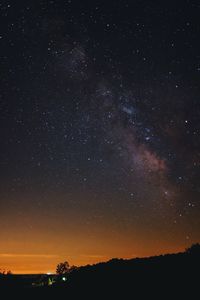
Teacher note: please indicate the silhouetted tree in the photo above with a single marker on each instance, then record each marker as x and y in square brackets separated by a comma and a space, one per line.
[62, 268]
[4, 272]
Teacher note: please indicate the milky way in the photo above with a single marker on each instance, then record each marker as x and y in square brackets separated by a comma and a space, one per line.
[100, 124]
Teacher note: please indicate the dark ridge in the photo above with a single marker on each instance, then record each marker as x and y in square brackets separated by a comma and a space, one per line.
[159, 275]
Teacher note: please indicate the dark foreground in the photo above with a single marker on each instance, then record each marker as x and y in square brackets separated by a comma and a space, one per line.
[161, 277]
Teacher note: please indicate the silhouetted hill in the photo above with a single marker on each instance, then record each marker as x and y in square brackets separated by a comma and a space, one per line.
[172, 272]
[158, 276]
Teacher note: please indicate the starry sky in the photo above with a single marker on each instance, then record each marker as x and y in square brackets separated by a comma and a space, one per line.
[100, 131]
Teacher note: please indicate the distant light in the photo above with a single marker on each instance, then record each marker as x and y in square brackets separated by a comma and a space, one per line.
[64, 278]
[49, 273]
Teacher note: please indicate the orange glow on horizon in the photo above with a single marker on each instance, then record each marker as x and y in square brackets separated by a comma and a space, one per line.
[50, 240]
[79, 251]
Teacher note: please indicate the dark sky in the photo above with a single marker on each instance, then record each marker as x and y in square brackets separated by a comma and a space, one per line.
[100, 130]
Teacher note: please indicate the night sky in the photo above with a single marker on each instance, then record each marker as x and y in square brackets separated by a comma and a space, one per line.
[100, 130]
